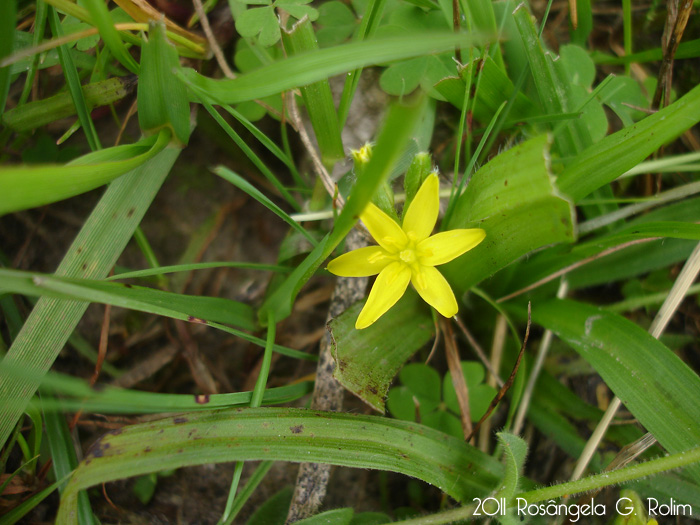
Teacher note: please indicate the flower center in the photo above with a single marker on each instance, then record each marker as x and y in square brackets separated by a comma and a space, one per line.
[408, 256]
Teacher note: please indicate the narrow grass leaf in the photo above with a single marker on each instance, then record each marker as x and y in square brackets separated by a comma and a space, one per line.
[317, 96]
[73, 81]
[112, 400]
[105, 25]
[368, 26]
[25, 187]
[64, 459]
[549, 88]
[148, 300]
[162, 270]
[269, 175]
[92, 254]
[304, 69]
[8, 18]
[608, 159]
[13, 516]
[251, 190]
[653, 383]
[286, 434]
[175, 306]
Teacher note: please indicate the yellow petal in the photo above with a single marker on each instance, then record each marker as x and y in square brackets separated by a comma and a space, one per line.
[387, 289]
[435, 290]
[445, 246]
[384, 229]
[362, 262]
[421, 216]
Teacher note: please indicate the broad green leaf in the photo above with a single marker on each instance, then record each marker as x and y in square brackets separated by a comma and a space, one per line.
[93, 253]
[403, 78]
[38, 113]
[622, 95]
[29, 186]
[163, 101]
[652, 382]
[285, 434]
[514, 200]
[367, 360]
[298, 9]
[311, 67]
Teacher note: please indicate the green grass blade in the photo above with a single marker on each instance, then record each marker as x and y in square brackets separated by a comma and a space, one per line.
[368, 26]
[29, 186]
[21, 510]
[269, 175]
[93, 253]
[8, 18]
[603, 162]
[287, 434]
[64, 460]
[301, 70]
[162, 270]
[112, 400]
[317, 96]
[175, 306]
[549, 87]
[73, 82]
[251, 190]
[105, 25]
[148, 300]
[654, 384]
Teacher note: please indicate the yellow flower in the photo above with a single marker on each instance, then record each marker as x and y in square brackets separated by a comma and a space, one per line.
[407, 253]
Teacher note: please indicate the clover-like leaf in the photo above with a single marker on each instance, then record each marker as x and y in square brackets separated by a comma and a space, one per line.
[419, 397]
[337, 22]
[298, 8]
[480, 394]
[260, 21]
